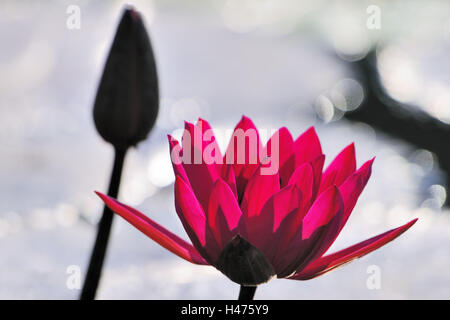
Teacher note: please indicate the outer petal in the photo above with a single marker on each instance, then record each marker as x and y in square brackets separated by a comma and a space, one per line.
[201, 174]
[156, 232]
[340, 168]
[176, 154]
[318, 229]
[193, 219]
[224, 215]
[352, 188]
[337, 259]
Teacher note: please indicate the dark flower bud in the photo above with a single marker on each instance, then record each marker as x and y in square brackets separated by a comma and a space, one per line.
[127, 98]
[243, 263]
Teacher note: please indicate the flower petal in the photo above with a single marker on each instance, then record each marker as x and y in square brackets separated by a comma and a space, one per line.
[156, 232]
[352, 187]
[340, 168]
[243, 152]
[176, 154]
[210, 147]
[284, 234]
[318, 229]
[193, 219]
[322, 211]
[337, 259]
[228, 176]
[303, 178]
[264, 230]
[350, 191]
[208, 134]
[259, 189]
[280, 149]
[224, 215]
[201, 174]
[317, 165]
[307, 147]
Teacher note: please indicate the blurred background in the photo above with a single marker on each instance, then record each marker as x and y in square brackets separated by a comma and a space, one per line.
[382, 83]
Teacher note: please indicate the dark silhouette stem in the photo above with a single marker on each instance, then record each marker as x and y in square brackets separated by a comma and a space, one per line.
[247, 293]
[101, 242]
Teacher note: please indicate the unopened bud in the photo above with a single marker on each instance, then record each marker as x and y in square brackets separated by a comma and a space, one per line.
[127, 98]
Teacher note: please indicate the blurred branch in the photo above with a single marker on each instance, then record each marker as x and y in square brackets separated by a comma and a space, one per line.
[399, 120]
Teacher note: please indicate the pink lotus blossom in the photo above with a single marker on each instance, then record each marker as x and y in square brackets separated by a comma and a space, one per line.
[253, 226]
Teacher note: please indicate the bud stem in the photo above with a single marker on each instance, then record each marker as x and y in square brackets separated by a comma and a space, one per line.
[101, 242]
[247, 292]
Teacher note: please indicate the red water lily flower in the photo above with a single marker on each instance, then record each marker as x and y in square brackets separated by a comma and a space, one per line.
[252, 226]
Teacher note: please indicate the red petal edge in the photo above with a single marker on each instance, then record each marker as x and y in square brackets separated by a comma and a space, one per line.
[156, 232]
[337, 259]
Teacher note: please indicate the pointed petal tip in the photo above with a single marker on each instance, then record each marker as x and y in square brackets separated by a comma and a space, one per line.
[285, 130]
[188, 125]
[246, 120]
[348, 152]
[200, 120]
[351, 147]
[311, 130]
[101, 195]
[369, 163]
[171, 139]
[412, 222]
[310, 137]
[366, 166]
